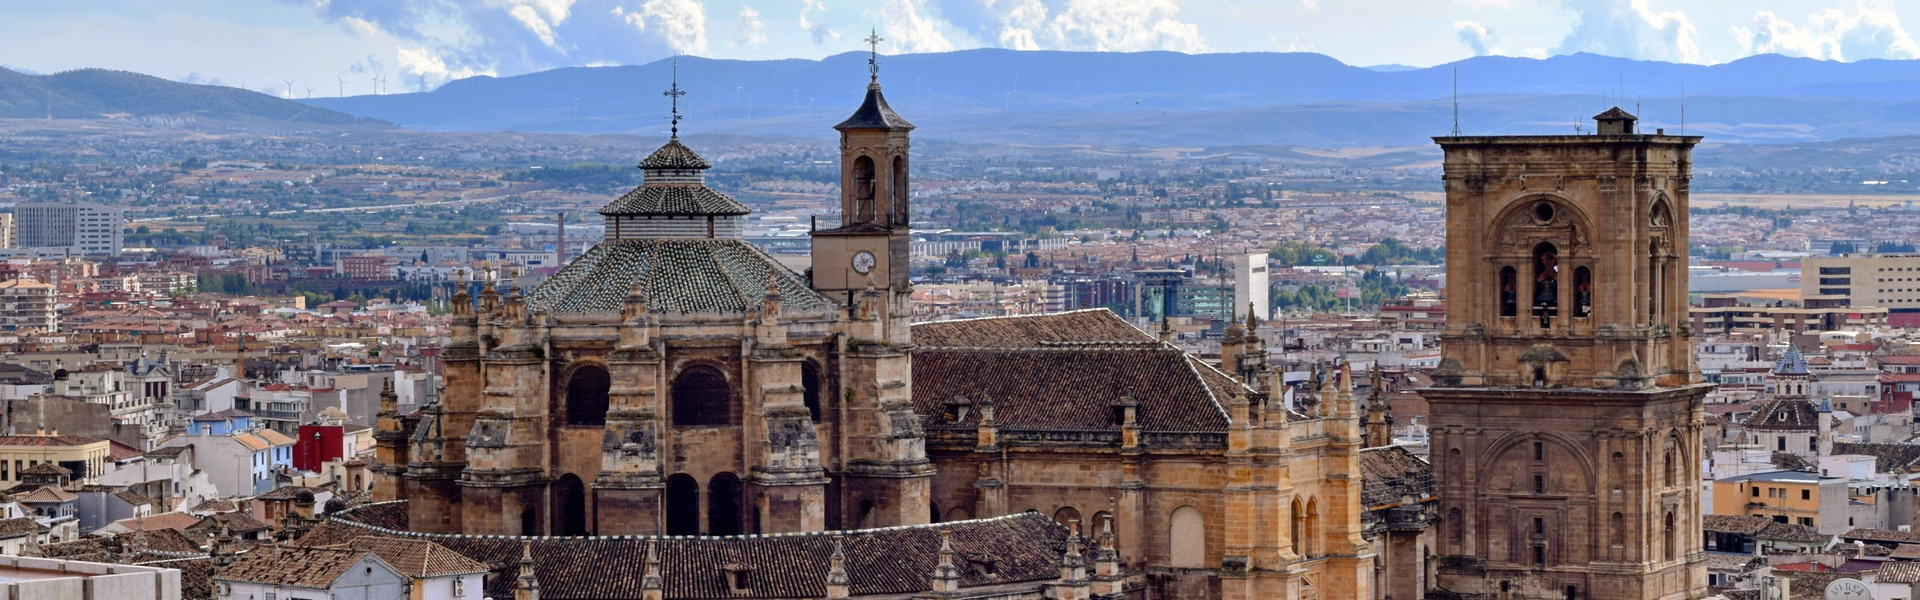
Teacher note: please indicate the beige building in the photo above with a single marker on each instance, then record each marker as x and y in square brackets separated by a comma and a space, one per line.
[8, 230]
[84, 458]
[27, 305]
[1566, 410]
[1885, 280]
[1725, 313]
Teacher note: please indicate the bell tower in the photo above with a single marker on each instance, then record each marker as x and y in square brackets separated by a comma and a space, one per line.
[1566, 409]
[886, 478]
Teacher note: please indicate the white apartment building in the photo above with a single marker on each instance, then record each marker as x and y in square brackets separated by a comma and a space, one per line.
[89, 228]
[27, 305]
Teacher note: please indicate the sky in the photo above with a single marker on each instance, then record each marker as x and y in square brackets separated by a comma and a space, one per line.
[300, 48]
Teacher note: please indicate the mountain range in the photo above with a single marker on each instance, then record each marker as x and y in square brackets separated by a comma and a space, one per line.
[105, 94]
[1167, 98]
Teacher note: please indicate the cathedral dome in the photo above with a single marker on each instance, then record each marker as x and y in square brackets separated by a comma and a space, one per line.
[674, 155]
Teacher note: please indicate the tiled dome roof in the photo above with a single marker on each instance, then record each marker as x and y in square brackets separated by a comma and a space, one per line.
[674, 155]
[674, 200]
[678, 275]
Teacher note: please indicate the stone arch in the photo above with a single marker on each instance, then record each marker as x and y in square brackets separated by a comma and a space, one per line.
[724, 505]
[863, 189]
[958, 513]
[702, 397]
[586, 400]
[1312, 531]
[898, 207]
[1456, 527]
[1500, 447]
[683, 505]
[1069, 517]
[1670, 538]
[1617, 471]
[1297, 526]
[1187, 538]
[570, 505]
[1509, 292]
[810, 392]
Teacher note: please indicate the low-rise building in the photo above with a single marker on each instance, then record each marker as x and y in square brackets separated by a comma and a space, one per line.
[285, 572]
[1796, 497]
[27, 305]
[84, 458]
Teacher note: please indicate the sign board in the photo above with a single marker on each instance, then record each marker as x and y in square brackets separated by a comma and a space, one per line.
[1848, 589]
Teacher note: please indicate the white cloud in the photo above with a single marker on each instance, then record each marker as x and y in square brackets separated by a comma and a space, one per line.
[682, 23]
[1485, 3]
[752, 30]
[1631, 29]
[912, 29]
[820, 30]
[539, 16]
[1870, 30]
[424, 63]
[1310, 5]
[1123, 25]
[1476, 36]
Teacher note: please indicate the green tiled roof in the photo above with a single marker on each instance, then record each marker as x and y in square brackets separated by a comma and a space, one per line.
[676, 199]
[678, 275]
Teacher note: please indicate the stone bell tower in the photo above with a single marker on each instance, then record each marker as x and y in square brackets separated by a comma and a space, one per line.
[1566, 410]
[886, 478]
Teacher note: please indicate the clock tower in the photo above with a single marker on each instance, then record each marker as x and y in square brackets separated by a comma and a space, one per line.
[862, 264]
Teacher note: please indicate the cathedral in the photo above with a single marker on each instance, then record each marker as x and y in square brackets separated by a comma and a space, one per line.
[675, 414]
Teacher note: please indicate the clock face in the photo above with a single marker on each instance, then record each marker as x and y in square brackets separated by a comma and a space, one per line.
[863, 262]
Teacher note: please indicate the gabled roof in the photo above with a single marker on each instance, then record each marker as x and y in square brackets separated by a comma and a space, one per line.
[47, 495]
[677, 275]
[874, 114]
[1030, 331]
[311, 568]
[419, 559]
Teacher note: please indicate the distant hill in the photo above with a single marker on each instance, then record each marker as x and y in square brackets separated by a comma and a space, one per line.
[102, 94]
[1004, 96]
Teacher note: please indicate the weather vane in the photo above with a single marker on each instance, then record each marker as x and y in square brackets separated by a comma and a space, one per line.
[873, 56]
[674, 93]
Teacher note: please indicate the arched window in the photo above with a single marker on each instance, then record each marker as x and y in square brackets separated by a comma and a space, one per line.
[898, 213]
[933, 512]
[1582, 292]
[570, 505]
[683, 505]
[702, 398]
[1101, 522]
[1069, 517]
[863, 190]
[1618, 523]
[1187, 538]
[1296, 527]
[1546, 283]
[587, 396]
[1671, 477]
[810, 389]
[723, 505]
[1313, 527]
[1672, 539]
[529, 522]
[1509, 292]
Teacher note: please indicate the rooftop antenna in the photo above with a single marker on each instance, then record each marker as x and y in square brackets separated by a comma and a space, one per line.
[1456, 102]
[873, 55]
[674, 93]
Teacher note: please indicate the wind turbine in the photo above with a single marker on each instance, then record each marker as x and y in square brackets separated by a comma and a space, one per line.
[343, 84]
[376, 85]
[309, 92]
[289, 87]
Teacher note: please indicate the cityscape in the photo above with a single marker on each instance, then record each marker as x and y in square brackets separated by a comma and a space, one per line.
[1088, 300]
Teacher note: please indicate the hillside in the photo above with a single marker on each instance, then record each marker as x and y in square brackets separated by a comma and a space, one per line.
[102, 94]
[1002, 96]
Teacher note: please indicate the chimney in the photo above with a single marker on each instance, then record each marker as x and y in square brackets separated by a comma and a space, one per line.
[560, 242]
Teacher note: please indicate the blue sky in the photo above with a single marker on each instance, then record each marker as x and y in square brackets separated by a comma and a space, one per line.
[335, 46]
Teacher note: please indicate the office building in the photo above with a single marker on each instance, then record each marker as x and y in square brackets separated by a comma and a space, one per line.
[86, 228]
[1250, 286]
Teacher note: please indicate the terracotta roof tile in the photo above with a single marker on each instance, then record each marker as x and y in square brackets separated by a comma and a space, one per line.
[1390, 473]
[890, 561]
[657, 199]
[1898, 572]
[1067, 388]
[417, 558]
[1887, 457]
[1738, 524]
[313, 568]
[1029, 331]
[1785, 414]
[678, 275]
[166, 520]
[13, 528]
[1882, 535]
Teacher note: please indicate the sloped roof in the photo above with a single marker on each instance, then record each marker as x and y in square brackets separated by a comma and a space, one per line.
[108, 548]
[888, 561]
[1390, 473]
[1896, 571]
[1738, 524]
[674, 155]
[1887, 457]
[1790, 532]
[652, 199]
[1791, 363]
[1068, 388]
[1030, 331]
[312, 568]
[874, 114]
[236, 522]
[678, 275]
[1882, 536]
[1785, 414]
[166, 520]
[1615, 113]
[13, 528]
[417, 558]
[48, 494]
[274, 437]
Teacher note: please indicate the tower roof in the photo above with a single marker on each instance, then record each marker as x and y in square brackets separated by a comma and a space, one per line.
[674, 155]
[1791, 363]
[874, 114]
[677, 275]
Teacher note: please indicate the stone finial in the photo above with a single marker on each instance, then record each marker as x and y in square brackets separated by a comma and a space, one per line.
[527, 586]
[838, 584]
[946, 575]
[651, 585]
